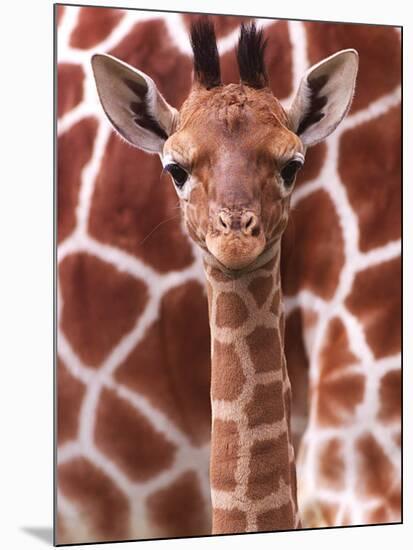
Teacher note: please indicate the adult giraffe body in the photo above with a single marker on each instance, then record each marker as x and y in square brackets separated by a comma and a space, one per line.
[233, 153]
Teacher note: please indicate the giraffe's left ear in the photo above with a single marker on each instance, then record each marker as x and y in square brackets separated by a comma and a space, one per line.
[133, 103]
[324, 97]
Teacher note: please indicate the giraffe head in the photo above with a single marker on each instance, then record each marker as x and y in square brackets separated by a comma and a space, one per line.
[232, 150]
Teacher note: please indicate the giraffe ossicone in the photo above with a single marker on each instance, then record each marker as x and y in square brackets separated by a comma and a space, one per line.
[233, 153]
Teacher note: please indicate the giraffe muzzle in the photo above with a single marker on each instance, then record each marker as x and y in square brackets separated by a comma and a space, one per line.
[247, 223]
[236, 238]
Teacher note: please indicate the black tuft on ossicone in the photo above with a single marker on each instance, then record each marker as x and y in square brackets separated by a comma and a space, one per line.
[206, 58]
[250, 55]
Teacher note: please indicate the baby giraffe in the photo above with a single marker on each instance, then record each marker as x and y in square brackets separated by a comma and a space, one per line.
[233, 153]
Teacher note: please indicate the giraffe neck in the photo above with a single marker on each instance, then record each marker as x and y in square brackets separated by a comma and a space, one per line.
[252, 468]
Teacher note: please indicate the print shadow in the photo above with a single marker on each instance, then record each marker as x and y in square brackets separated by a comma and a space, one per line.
[43, 533]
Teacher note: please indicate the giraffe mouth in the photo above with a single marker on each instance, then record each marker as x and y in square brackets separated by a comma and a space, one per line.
[233, 251]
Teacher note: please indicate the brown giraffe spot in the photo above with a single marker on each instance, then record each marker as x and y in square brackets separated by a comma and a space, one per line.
[229, 521]
[130, 211]
[61, 530]
[129, 439]
[275, 308]
[389, 511]
[331, 465]
[390, 396]
[100, 305]
[378, 47]
[260, 288]
[221, 277]
[93, 26]
[217, 275]
[224, 454]
[283, 517]
[103, 506]
[375, 471]
[310, 515]
[269, 266]
[278, 59]
[70, 392]
[338, 398]
[145, 371]
[224, 24]
[268, 464]
[378, 515]
[297, 364]
[265, 349]
[60, 10]
[336, 352]
[171, 364]
[370, 166]
[266, 405]
[231, 310]
[339, 390]
[329, 512]
[394, 501]
[179, 509]
[69, 87]
[376, 300]
[191, 355]
[74, 151]
[227, 376]
[229, 67]
[397, 439]
[314, 160]
[150, 48]
[313, 254]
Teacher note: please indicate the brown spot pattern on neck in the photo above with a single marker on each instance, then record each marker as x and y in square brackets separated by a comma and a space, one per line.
[252, 467]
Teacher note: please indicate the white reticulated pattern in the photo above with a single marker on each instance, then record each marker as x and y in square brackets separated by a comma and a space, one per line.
[96, 379]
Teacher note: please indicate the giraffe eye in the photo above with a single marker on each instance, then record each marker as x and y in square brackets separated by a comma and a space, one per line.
[178, 174]
[289, 171]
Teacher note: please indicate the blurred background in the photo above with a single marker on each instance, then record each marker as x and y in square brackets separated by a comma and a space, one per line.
[133, 415]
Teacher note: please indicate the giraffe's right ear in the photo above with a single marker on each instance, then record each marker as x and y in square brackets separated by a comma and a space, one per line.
[133, 103]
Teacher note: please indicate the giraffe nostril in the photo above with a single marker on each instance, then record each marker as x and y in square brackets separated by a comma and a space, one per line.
[249, 221]
[256, 231]
[249, 224]
[224, 221]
